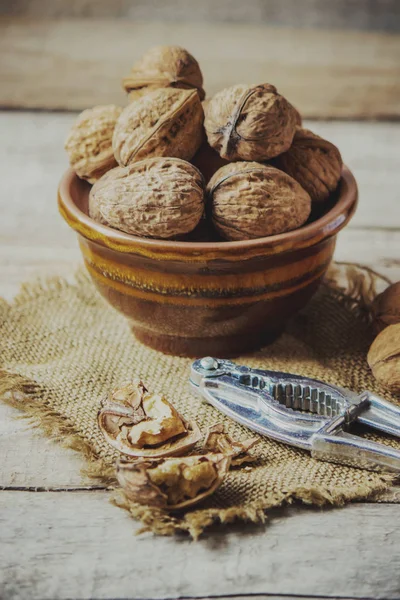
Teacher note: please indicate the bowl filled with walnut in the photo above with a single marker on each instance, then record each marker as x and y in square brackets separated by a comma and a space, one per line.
[208, 223]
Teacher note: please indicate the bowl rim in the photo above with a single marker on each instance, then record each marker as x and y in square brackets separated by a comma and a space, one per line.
[326, 226]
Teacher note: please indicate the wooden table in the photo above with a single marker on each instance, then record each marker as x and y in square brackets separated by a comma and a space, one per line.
[61, 538]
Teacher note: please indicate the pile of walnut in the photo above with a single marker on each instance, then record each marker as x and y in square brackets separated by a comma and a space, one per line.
[384, 354]
[241, 160]
[152, 438]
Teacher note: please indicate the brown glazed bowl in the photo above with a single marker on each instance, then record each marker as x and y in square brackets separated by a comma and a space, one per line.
[207, 298]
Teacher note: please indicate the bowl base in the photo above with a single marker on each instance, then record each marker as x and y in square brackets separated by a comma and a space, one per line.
[222, 347]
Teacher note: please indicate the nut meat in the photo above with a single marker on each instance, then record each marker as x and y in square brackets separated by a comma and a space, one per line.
[89, 143]
[165, 122]
[217, 440]
[163, 67]
[250, 122]
[138, 423]
[314, 162]
[172, 483]
[384, 357]
[157, 197]
[386, 307]
[251, 200]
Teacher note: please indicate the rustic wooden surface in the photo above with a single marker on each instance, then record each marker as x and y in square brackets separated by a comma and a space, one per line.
[74, 544]
[358, 14]
[75, 63]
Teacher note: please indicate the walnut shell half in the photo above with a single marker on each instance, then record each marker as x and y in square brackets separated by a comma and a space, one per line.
[172, 483]
[162, 67]
[252, 200]
[165, 122]
[386, 307]
[384, 357]
[250, 122]
[89, 143]
[156, 198]
[138, 423]
[314, 162]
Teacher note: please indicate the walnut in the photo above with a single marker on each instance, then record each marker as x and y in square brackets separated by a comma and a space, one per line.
[314, 162]
[89, 143]
[384, 357]
[218, 441]
[165, 122]
[250, 122]
[138, 423]
[386, 307]
[251, 200]
[172, 483]
[157, 197]
[208, 161]
[163, 67]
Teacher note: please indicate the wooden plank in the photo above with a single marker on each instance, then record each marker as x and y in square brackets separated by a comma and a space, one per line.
[341, 14]
[76, 545]
[73, 64]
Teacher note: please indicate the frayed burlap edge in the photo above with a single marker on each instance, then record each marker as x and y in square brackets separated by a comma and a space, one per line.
[355, 290]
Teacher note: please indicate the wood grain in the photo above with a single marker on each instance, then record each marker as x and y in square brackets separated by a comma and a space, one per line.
[73, 64]
[76, 545]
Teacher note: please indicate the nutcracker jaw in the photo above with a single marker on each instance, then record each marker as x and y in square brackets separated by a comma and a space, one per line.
[299, 411]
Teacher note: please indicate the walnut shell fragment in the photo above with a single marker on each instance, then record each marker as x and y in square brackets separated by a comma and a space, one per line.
[89, 143]
[314, 162]
[172, 483]
[217, 440]
[165, 122]
[250, 122]
[164, 67]
[156, 198]
[252, 200]
[384, 357]
[386, 307]
[138, 423]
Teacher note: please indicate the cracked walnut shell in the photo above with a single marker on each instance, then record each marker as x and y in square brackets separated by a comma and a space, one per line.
[89, 143]
[156, 198]
[384, 357]
[250, 122]
[314, 162]
[138, 423]
[251, 200]
[165, 122]
[386, 307]
[163, 67]
[172, 483]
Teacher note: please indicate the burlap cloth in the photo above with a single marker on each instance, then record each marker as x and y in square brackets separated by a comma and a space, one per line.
[63, 347]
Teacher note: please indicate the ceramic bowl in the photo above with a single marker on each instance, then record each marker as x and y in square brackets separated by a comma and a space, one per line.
[207, 298]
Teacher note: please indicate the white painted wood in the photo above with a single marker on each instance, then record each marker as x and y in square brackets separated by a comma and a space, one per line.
[28, 460]
[76, 545]
[76, 63]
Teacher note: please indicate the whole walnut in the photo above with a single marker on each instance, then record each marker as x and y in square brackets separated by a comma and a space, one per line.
[162, 67]
[89, 143]
[386, 307]
[314, 162]
[165, 122]
[156, 197]
[250, 122]
[252, 200]
[384, 357]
